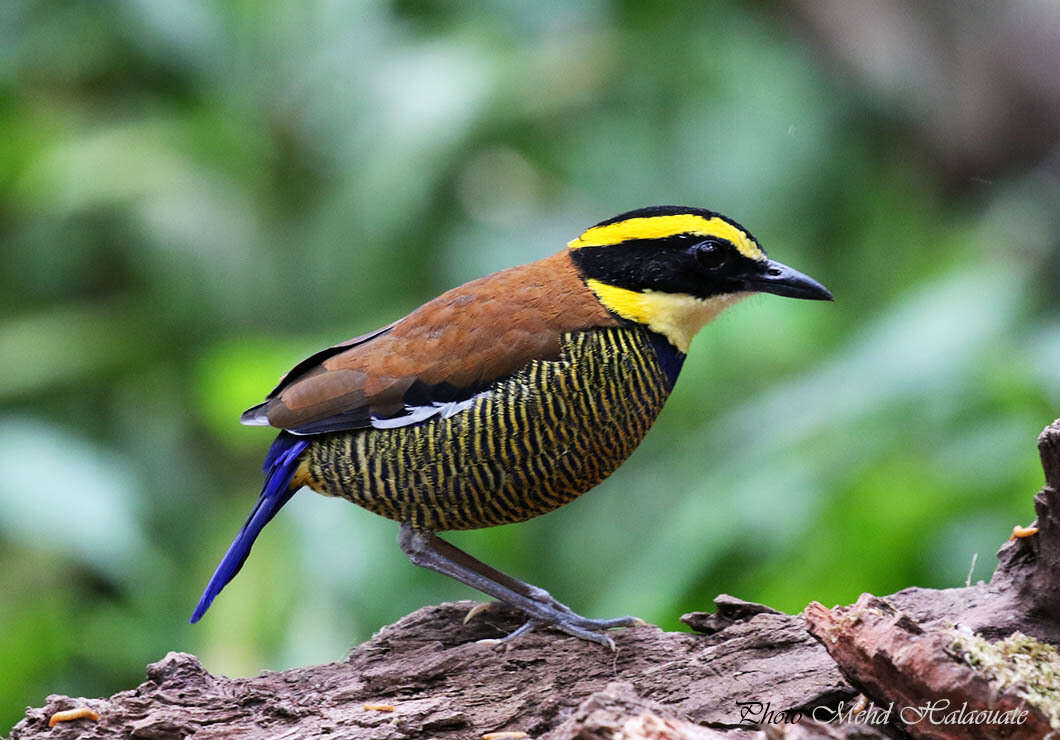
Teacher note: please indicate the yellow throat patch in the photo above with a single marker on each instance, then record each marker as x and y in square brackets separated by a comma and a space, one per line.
[677, 316]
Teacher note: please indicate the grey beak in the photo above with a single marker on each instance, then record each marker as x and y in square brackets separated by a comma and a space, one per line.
[780, 279]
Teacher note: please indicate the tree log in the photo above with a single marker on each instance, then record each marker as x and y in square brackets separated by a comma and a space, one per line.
[746, 671]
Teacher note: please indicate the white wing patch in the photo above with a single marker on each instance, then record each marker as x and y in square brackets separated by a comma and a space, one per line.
[417, 414]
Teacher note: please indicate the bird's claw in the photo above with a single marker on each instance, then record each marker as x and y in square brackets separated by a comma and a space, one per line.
[592, 632]
[477, 609]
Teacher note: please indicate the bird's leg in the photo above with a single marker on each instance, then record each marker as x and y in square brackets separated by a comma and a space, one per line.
[456, 555]
[430, 551]
[417, 546]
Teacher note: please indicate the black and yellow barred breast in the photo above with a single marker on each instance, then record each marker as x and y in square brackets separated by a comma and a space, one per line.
[530, 444]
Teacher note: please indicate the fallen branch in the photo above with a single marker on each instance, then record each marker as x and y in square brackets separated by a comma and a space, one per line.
[426, 677]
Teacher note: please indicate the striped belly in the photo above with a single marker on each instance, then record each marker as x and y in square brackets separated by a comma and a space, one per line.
[528, 445]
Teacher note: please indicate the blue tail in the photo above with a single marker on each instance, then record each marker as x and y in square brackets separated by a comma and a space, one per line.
[280, 465]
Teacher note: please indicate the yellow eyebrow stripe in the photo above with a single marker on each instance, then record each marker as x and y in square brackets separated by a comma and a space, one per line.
[660, 227]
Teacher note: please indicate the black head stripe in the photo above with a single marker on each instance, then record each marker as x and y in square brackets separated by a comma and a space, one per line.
[666, 265]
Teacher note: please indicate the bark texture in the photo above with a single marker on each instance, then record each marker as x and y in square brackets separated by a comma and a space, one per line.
[746, 671]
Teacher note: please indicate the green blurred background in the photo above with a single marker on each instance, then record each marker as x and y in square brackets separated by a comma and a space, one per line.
[196, 194]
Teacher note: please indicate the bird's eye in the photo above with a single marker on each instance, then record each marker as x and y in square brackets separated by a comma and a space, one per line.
[710, 255]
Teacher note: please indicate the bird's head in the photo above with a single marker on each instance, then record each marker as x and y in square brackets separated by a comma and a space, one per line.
[674, 268]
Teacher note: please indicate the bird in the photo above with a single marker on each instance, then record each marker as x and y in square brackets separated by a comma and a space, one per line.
[509, 396]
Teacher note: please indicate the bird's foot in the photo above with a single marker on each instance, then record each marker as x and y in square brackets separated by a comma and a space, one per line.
[607, 624]
[585, 633]
[561, 614]
[571, 623]
[427, 550]
[592, 629]
[570, 629]
[527, 627]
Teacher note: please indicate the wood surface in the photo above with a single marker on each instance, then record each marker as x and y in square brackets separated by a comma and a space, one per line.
[440, 683]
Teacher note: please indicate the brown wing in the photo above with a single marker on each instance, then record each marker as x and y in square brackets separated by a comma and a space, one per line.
[440, 354]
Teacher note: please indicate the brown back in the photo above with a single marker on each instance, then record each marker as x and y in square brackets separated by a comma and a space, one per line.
[448, 349]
